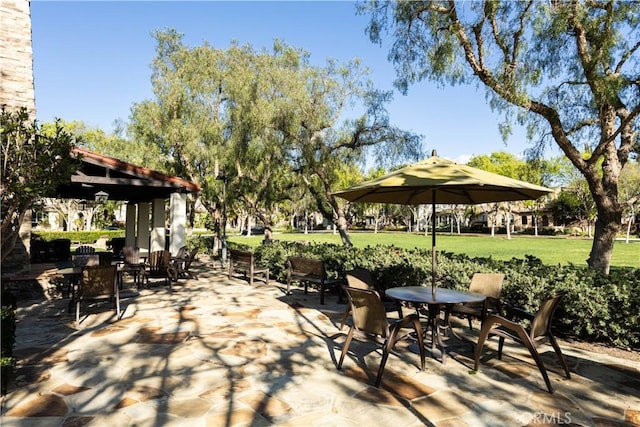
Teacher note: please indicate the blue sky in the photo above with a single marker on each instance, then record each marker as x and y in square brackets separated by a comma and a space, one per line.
[91, 62]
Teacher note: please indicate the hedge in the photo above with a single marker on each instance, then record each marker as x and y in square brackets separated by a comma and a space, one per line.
[597, 307]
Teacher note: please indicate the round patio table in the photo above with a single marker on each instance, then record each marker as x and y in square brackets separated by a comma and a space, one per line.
[420, 296]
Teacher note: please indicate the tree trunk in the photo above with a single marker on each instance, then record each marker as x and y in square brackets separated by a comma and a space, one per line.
[11, 233]
[508, 222]
[606, 230]
[339, 217]
[342, 229]
[268, 236]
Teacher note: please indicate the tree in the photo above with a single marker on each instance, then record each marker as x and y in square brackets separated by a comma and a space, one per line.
[503, 163]
[569, 70]
[324, 146]
[630, 191]
[201, 125]
[568, 208]
[98, 141]
[33, 166]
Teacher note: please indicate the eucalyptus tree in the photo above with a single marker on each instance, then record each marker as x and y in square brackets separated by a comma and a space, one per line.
[376, 210]
[183, 125]
[298, 206]
[322, 144]
[263, 175]
[569, 70]
[208, 119]
[262, 121]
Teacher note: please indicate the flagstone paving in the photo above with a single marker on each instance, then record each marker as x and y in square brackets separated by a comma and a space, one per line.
[217, 352]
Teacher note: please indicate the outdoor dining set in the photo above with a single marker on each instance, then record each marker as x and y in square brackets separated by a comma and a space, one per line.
[96, 276]
[432, 309]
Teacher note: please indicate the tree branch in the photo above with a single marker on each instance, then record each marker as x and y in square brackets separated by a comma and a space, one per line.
[625, 57]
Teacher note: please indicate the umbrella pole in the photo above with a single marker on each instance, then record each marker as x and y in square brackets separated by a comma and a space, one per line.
[433, 242]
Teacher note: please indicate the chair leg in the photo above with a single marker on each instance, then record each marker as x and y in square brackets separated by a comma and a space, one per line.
[117, 304]
[386, 349]
[391, 342]
[347, 311]
[561, 358]
[484, 333]
[399, 309]
[346, 345]
[418, 328]
[534, 353]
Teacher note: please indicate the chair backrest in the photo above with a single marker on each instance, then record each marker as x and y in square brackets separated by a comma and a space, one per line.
[182, 252]
[237, 255]
[360, 278]
[307, 266]
[159, 261]
[82, 260]
[488, 284]
[541, 323]
[190, 258]
[85, 249]
[105, 258]
[98, 280]
[367, 311]
[131, 255]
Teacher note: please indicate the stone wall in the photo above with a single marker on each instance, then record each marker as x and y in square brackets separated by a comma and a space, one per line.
[16, 55]
[17, 90]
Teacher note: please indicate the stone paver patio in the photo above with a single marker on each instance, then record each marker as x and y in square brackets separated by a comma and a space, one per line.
[217, 352]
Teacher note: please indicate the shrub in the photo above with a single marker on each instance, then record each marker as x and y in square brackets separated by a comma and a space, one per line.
[81, 237]
[597, 307]
[7, 338]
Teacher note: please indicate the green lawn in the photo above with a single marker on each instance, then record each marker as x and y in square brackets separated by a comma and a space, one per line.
[551, 250]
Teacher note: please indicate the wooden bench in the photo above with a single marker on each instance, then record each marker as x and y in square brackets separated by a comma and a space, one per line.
[244, 261]
[308, 270]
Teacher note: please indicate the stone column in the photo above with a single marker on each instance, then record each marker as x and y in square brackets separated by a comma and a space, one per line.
[16, 91]
[16, 56]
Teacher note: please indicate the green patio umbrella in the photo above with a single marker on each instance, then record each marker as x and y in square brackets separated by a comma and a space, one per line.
[440, 181]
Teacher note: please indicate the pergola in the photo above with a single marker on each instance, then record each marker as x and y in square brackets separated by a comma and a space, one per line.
[145, 192]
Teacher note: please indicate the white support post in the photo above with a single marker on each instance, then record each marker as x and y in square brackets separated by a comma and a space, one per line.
[158, 217]
[144, 226]
[178, 216]
[130, 225]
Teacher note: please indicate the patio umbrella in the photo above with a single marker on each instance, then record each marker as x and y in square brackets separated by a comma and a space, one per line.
[438, 181]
